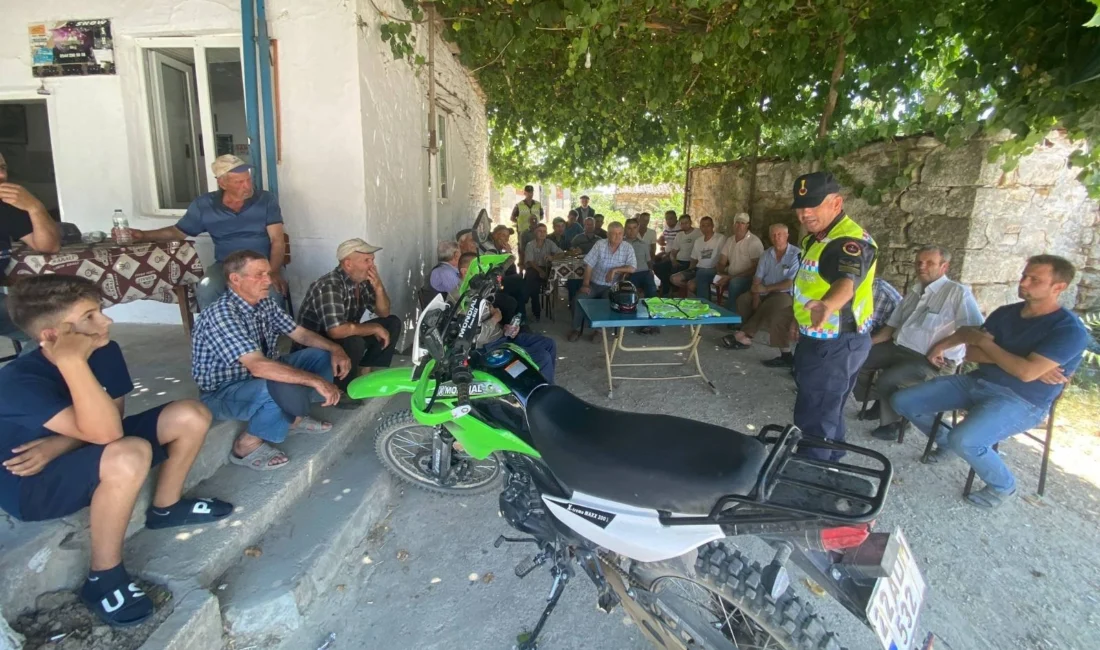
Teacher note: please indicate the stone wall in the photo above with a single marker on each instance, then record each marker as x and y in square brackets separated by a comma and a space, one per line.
[990, 220]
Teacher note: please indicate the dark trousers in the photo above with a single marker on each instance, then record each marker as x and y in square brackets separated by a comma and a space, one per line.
[664, 270]
[515, 287]
[533, 282]
[901, 367]
[825, 371]
[644, 281]
[367, 351]
[507, 305]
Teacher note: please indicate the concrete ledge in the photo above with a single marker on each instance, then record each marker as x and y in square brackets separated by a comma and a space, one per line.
[266, 596]
[39, 557]
[194, 624]
[185, 558]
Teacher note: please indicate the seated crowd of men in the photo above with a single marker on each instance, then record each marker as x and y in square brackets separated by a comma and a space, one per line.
[70, 444]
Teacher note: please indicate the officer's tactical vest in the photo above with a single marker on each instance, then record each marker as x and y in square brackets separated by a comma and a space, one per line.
[523, 219]
[809, 285]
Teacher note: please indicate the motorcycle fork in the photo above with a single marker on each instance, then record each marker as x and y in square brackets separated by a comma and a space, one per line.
[442, 446]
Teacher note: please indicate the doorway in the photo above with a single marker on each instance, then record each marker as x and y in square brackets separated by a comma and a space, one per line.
[26, 146]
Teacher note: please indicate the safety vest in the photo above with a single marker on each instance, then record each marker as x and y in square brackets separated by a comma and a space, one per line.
[809, 285]
[523, 218]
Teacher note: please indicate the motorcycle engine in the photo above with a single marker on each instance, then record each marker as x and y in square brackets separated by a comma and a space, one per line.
[522, 507]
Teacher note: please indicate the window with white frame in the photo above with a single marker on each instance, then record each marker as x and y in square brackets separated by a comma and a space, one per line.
[194, 91]
[442, 158]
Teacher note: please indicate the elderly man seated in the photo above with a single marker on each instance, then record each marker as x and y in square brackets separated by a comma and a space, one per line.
[737, 265]
[931, 311]
[68, 445]
[235, 361]
[238, 217]
[702, 266]
[587, 239]
[444, 276]
[886, 299]
[496, 331]
[768, 303]
[609, 260]
[1025, 353]
[540, 251]
[350, 306]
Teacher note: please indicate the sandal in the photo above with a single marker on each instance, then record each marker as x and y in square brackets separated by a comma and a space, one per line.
[260, 458]
[989, 498]
[187, 512]
[116, 599]
[730, 342]
[310, 425]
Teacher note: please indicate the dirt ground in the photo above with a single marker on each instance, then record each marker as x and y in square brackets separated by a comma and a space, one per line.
[62, 622]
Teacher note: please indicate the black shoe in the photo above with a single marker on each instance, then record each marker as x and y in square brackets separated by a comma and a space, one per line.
[785, 360]
[887, 432]
[872, 413]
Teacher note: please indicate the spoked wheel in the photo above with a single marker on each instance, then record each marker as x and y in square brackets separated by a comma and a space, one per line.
[405, 447]
[719, 604]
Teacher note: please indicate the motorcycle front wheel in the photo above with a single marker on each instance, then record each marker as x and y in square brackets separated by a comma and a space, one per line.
[405, 447]
[718, 603]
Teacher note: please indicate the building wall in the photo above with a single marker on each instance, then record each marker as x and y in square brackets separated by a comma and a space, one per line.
[991, 221]
[353, 121]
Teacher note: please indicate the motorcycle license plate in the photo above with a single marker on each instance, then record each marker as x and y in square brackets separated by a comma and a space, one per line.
[896, 600]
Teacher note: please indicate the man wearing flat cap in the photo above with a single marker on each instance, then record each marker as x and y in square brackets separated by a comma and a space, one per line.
[238, 217]
[833, 306]
[349, 305]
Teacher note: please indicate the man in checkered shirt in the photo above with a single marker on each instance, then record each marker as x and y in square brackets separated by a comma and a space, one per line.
[349, 305]
[236, 363]
[609, 260]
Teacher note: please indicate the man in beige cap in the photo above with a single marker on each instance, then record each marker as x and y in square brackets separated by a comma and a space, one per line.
[737, 265]
[238, 217]
[349, 305]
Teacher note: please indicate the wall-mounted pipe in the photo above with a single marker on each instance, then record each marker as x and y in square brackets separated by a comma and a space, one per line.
[251, 103]
[433, 142]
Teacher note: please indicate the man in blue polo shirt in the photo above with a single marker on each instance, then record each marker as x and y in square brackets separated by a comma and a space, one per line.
[1025, 353]
[66, 443]
[238, 217]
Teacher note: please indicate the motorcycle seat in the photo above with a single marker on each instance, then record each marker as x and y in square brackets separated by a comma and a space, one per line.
[641, 459]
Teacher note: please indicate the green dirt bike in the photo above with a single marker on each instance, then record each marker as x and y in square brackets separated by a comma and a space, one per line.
[643, 503]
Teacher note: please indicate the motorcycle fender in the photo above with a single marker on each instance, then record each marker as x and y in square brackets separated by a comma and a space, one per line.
[382, 383]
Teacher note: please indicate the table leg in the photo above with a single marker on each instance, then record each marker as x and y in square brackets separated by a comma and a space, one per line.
[185, 309]
[696, 337]
[608, 354]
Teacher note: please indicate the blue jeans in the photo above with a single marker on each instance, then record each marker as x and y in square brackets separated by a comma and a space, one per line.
[542, 349]
[644, 281]
[270, 406]
[735, 288]
[703, 279]
[993, 413]
[212, 286]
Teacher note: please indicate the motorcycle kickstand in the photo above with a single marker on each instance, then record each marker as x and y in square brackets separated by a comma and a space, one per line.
[530, 641]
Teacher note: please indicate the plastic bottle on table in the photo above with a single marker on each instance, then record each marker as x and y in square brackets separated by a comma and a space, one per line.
[121, 230]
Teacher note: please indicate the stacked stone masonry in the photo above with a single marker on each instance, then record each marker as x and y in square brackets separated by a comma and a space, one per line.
[990, 220]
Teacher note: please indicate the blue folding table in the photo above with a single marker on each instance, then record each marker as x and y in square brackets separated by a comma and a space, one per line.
[602, 318]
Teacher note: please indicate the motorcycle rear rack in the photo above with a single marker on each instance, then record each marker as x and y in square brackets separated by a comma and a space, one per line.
[795, 488]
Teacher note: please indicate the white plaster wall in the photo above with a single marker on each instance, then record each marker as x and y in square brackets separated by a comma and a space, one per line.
[354, 132]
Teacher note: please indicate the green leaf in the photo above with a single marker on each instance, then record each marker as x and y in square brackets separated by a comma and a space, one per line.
[696, 56]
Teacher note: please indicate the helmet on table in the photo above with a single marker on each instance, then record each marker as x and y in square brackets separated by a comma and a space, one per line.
[623, 297]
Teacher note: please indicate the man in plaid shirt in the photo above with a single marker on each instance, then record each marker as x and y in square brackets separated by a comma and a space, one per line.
[886, 299]
[236, 363]
[349, 305]
[609, 259]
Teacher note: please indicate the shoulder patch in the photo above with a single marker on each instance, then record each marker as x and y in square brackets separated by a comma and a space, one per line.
[852, 248]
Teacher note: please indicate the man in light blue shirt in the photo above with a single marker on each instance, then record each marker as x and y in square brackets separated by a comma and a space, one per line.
[238, 217]
[609, 260]
[768, 303]
[445, 277]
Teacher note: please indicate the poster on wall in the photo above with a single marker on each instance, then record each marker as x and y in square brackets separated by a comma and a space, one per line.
[70, 48]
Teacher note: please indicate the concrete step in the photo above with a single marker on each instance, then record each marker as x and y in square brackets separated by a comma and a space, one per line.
[267, 596]
[47, 556]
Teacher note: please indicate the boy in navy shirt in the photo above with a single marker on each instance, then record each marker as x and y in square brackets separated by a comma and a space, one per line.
[1026, 353]
[65, 444]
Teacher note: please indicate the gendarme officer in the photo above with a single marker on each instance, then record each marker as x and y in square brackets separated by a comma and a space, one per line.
[833, 305]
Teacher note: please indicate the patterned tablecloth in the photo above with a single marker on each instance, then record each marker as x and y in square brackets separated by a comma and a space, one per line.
[564, 269]
[123, 273]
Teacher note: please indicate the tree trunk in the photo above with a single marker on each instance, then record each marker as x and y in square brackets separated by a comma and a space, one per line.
[830, 102]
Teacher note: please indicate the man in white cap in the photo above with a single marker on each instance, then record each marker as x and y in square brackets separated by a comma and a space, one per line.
[238, 217]
[349, 305]
[737, 265]
[22, 218]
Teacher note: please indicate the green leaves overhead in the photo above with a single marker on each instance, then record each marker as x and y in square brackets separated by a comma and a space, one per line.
[584, 92]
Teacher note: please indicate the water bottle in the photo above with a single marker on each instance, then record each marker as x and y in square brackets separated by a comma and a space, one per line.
[121, 230]
[512, 328]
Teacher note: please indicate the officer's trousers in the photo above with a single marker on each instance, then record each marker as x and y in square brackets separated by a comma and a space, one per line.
[825, 371]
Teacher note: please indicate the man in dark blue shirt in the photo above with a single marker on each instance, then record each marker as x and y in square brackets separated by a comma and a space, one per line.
[238, 217]
[65, 443]
[1026, 353]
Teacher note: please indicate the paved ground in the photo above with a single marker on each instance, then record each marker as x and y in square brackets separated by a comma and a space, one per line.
[1025, 577]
